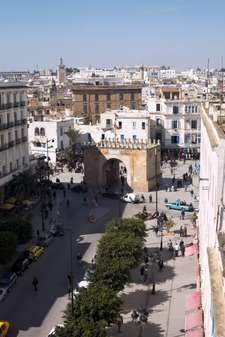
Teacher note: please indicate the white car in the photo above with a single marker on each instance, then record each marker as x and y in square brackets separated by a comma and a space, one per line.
[82, 284]
[53, 330]
[131, 198]
[3, 292]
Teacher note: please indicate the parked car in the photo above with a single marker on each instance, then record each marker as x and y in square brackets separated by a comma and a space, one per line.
[3, 293]
[180, 205]
[21, 263]
[111, 195]
[53, 331]
[4, 328]
[8, 280]
[35, 252]
[131, 198]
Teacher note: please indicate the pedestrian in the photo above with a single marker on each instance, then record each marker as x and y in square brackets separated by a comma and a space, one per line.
[142, 270]
[143, 198]
[134, 316]
[119, 323]
[182, 214]
[185, 231]
[181, 231]
[35, 283]
[160, 264]
[71, 180]
[79, 256]
[171, 171]
[68, 203]
[182, 247]
[146, 259]
[176, 248]
[64, 193]
[185, 187]
[69, 279]
[144, 211]
[173, 180]
[153, 287]
[150, 198]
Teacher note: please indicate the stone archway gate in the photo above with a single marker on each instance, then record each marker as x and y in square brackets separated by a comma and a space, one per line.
[142, 161]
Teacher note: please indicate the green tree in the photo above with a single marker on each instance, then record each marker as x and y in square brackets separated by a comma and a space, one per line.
[170, 223]
[74, 136]
[8, 245]
[83, 327]
[20, 226]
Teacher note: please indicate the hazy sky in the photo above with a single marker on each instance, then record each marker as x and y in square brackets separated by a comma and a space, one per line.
[179, 33]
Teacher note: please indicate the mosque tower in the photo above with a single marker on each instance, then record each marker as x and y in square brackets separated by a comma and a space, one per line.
[61, 73]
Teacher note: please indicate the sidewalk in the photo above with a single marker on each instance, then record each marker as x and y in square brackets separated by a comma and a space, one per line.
[167, 307]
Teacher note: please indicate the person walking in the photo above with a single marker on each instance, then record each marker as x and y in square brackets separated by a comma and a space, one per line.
[150, 198]
[153, 287]
[176, 248]
[185, 231]
[119, 322]
[35, 283]
[181, 231]
[160, 264]
[182, 247]
[68, 202]
[182, 214]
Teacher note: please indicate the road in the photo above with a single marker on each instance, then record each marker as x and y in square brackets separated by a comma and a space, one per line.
[33, 314]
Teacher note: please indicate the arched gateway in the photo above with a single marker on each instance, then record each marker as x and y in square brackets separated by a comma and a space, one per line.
[106, 162]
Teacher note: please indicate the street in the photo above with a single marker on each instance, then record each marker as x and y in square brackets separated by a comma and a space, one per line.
[33, 314]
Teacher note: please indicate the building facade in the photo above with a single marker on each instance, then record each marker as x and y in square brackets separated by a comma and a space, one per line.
[89, 101]
[212, 221]
[175, 120]
[47, 137]
[14, 156]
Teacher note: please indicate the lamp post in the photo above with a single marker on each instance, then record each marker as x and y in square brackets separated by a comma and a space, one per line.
[48, 147]
[69, 229]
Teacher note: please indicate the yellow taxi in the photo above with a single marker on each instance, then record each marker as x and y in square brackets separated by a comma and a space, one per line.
[35, 252]
[4, 327]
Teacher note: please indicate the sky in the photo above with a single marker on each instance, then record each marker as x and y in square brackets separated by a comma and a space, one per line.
[105, 33]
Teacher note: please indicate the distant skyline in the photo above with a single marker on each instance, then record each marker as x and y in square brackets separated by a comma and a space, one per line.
[104, 33]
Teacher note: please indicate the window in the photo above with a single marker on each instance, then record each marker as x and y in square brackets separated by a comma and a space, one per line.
[10, 166]
[143, 125]
[108, 97]
[174, 139]
[132, 96]
[16, 135]
[133, 105]
[134, 138]
[36, 131]
[158, 107]
[121, 97]
[2, 140]
[96, 108]
[158, 121]
[187, 138]
[186, 108]
[4, 171]
[8, 98]
[0, 120]
[85, 109]
[14, 98]
[189, 108]
[174, 124]
[96, 98]
[122, 138]
[192, 109]
[9, 137]
[23, 160]
[108, 105]
[175, 109]
[17, 163]
[194, 139]
[84, 98]
[108, 123]
[134, 125]
[196, 108]
[8, 118]
[42, 131]
[22, 132]
[120, 125]
[103, 136]
[194, 124]
[61, 131]
[15, 116]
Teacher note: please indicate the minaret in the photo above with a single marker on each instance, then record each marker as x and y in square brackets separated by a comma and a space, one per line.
[61, 73]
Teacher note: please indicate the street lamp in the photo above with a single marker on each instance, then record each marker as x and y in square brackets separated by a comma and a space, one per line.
[48, 147]
[69, 229]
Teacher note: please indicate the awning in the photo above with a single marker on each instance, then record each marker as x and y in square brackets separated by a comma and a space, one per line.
[193, 301]
[195, 333]
[193, 320]
[191, 250]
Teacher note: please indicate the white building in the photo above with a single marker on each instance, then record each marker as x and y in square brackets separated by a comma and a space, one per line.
[125, 124]
[14, 156]
[175, 119]
[49, 136]
[212, 220]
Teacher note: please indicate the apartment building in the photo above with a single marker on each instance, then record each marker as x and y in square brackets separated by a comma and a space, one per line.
[48, 136]
[125, 124]
[14, 155]
[212, 219]
[90, 101]
[175, 118]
